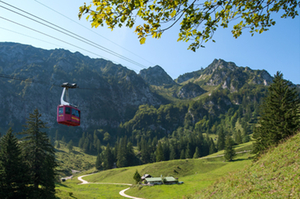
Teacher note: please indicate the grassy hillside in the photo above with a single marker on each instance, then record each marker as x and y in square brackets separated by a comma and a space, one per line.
[76, 159]
[196, 174]
[275, 175]
[70, 189]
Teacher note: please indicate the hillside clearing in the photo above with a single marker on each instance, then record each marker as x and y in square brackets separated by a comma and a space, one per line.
[275, 175]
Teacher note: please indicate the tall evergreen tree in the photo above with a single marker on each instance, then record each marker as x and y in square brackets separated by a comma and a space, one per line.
[196, 154]
[188, 152]
[122, 153]
[13, 176]
[221, 139]
[130, 156]
[56, 135]
[245, 137]
[239, 138]
[99, 162]
[172, 153]
[108, 160]
[159, 153]
[40, 157]
[145, 152]
[212, 147]
[280, 114]
[229, 150]
[137, 177]
[182, 154]
[70, 146]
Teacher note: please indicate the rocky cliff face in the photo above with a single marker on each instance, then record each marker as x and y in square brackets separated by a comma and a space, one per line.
[108, 94]
[156, 76]
[189, 90]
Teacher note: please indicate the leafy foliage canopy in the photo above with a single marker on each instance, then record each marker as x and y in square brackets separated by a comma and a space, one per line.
[198, 20]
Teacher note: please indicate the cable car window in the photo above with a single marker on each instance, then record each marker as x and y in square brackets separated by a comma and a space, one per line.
[61, 110]
[78, 112]
[74, 112]
[68, 110]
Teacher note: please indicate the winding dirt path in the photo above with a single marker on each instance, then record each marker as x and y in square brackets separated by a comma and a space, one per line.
[122, 193]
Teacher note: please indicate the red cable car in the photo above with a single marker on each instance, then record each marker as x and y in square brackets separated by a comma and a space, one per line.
[67, 113]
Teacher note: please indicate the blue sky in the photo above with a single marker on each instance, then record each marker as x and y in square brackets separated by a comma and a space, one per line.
[275, 50]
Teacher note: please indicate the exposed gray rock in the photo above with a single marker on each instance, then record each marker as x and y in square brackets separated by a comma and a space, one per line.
[156, 76]
[189, 91]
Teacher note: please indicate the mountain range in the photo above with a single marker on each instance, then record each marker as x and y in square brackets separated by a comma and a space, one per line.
[110, 94]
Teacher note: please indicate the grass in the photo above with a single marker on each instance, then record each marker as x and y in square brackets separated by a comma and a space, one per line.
[87, 191]
[202, 174]
[275, 175]
[76, 160]
[196, 174]
[167, 92]
[238, 148]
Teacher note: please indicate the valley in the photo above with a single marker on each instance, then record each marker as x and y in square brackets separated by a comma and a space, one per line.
[206, 127]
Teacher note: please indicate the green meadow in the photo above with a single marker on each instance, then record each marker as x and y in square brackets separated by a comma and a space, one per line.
[195, 173]
[70, 189]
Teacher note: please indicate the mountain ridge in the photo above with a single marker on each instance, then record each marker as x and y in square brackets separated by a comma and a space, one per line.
[111, 95]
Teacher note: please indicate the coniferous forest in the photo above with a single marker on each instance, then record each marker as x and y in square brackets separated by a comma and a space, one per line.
[28, 166]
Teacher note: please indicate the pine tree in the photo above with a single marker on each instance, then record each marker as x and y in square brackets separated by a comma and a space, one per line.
[137, 177]
[99, 162]
[279, 115]
[245, 137]
[63, 139]
[130, 154]
[182, 154]
[99, 150]
[159, 153]
[212, 147]
[40, 157]
[172, 153]
[145, 152]
[221, 139]
[196, 154]
[70, 146]
[121, 154]
[13, 176]
[57, 144]
[188, 152]
[108, 160]
[229, 150]
[239, 137]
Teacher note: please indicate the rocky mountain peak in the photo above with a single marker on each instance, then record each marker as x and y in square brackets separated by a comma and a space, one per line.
[156, 76]
[220, 64]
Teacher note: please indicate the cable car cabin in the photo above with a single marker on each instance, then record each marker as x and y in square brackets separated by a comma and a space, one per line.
[68, 115]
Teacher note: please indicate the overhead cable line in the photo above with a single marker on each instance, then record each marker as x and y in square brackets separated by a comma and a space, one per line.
[28, 36]
[45, 83]
[53, 43]
[49, 36]
[93, 31]
[69, 33]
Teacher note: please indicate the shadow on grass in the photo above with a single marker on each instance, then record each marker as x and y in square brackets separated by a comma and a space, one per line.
[239, 159]
[60, 184]
[75, 152]
[57, 150]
